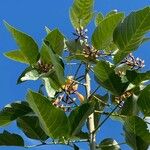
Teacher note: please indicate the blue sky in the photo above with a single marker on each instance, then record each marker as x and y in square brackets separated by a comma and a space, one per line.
[31, 16]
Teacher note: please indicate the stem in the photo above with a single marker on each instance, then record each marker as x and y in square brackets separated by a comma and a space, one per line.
[106, 118]
[90, 121]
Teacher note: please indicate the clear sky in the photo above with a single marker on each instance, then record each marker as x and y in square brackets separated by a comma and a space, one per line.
[32, 16]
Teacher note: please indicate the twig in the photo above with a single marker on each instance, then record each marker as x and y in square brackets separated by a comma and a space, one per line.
[77, 70]
[94, 91]
[107, 113]
[106, 118]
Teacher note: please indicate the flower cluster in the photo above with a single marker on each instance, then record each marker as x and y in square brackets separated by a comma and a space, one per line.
[134, 63]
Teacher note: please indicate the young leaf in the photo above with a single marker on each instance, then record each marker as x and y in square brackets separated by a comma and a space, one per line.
[103, 34]
[56, 41]
[31, 127]
[78, 116]
[108, 78]
[135, 125]
[109, 144]
[26, 44]
[17, 55]
[144, 101]
[81, 13]
[130, 33]
[13, 111]
[8, 139]
[53, 120]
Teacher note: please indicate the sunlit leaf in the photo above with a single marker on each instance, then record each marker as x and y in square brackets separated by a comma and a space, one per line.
[81, 13]
[130, 33]
[53, 120]
[27, 45]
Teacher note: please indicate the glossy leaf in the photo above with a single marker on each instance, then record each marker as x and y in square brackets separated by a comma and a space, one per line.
[31, 127]
[135, 125]
[109, 144]
[103, 34]
[12, 111]
[26, 44]
[144, 101]
[16, 55]
[53, 120]
[55, 40]
[108, 78]
[130, 33]
[8, 139]
[78, 117]
[81, 13]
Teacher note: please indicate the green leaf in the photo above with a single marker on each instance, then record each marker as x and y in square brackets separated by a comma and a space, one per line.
[26, 44]
[78, 117]
[16, 55]
[47, 30]
[81, 13]
[53, 120]
[144, 101]
[103, 34]
[52, 80]
[13, 111]
[129, 35]
[136, 78]
[31, 127]
[74, 46]
[28, 74]
[8, 139]
[135, 141]
[111, 13]
[57, 63]
[109, 144]
[99, 18]
[108, 78]
[45, 57]
[135, 125]
[130, 107]
[55, 39]
[50, 91]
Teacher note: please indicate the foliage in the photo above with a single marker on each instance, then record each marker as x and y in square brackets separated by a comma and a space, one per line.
[62, 113]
